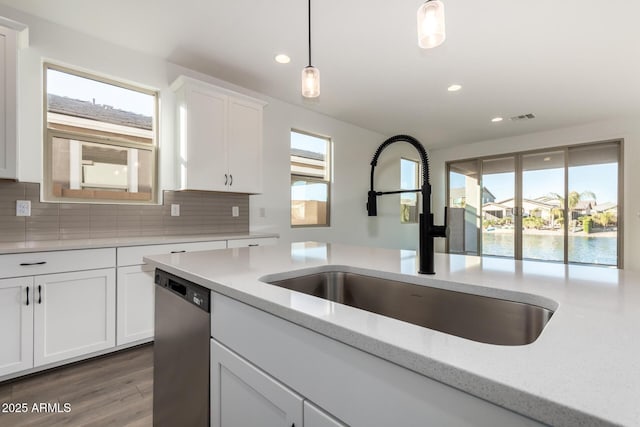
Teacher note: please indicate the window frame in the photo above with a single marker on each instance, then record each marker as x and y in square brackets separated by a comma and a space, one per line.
[49, 134]
[309, 178]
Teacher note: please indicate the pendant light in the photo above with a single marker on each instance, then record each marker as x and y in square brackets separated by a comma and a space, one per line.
[431, 24]
[310, 74]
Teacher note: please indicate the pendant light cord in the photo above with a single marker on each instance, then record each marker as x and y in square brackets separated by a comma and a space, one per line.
[309, 33]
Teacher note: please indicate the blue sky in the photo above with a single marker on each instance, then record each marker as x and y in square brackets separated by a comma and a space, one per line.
[600, 179]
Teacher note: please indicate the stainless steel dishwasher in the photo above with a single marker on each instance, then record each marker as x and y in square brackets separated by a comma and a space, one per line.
[181, 352]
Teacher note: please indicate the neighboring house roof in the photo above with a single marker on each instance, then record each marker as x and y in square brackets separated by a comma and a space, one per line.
[99, 112]
[485, 190]
[583, 205]
[486, 206]
[307, 154]
[609, 206]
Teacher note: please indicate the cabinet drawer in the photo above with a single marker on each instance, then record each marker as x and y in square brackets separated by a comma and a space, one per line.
[133, 255]
[35, 263]
[243, 243]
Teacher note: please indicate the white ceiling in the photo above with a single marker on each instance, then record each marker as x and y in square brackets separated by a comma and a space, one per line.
[567, 61]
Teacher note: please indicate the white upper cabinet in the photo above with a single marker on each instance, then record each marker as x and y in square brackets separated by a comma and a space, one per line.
[8, 105]
[219, 138]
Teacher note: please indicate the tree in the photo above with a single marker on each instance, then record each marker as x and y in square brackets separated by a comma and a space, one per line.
[573, 200]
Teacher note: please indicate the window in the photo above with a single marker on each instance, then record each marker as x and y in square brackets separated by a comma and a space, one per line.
[409, 181]
[310, 179]
[557, 204]
[100, 139]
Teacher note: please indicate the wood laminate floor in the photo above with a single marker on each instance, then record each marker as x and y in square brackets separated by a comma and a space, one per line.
[114, 390]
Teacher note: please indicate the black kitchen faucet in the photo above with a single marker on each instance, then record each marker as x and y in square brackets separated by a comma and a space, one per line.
[427, 230]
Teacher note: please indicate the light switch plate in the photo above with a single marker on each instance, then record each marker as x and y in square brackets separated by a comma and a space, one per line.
[23, 207]
[235, 211]
[175, 210]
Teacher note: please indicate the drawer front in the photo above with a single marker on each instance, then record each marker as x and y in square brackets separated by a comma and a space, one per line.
[35, 263]
[133, 255]
[243, 243]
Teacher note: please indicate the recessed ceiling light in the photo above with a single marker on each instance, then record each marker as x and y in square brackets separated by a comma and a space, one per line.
[546, 159]
[496, 119]
[282, 58]
[454, 88]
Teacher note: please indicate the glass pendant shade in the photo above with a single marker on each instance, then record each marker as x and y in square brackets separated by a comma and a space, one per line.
[431, 24]
[310, 82]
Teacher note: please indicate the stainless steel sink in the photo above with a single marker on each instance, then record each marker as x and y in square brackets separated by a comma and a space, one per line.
[475, 317]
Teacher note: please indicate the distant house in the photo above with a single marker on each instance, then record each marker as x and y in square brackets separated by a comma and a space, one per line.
[493, 210]
[582, 208]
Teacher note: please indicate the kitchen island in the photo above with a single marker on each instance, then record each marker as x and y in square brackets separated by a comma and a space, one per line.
[582, 369]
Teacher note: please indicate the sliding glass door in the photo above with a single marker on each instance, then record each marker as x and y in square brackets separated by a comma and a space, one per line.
[499, 215]
[558, 205]
[543, 206]
[592, 203]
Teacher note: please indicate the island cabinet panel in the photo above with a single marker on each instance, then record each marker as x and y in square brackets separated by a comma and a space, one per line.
[135, 304]
[349, 384]
[243, 395]
[219, 135]
[74, 314]
[16, 325]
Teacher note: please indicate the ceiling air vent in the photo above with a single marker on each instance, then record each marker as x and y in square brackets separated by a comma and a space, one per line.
[521, 117]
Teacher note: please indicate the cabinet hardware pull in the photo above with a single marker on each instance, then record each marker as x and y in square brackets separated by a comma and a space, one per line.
[27, 295]
[253, 244]
[24, 264]
[226, 179]
[39, 294]
[231, 182]
[178, 252]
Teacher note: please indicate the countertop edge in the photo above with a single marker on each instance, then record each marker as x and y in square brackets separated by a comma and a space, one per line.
[7, 248]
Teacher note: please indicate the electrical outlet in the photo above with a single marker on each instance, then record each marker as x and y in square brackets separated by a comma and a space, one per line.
[263, 212]
[23, 207]
[235, 211]
[175, 210]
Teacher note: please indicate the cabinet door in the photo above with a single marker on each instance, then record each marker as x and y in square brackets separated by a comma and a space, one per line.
[315, 417]
[8, 121]
[243, 395]
[245, 146]
[204, 161]
[135, 304]
[74, 314]
[16, 318]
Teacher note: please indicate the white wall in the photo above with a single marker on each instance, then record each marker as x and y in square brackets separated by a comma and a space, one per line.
[627, 129]
[353, 146]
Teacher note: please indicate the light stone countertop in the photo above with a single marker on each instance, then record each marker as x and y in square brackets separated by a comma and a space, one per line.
[582, 370]
[117, 242]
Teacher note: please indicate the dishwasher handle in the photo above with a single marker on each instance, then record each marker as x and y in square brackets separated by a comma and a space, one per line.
[178, 287]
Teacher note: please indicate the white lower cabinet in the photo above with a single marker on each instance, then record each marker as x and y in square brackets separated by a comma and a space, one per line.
[243, 395]
[16, 320]
[135, 304]
[74, 314]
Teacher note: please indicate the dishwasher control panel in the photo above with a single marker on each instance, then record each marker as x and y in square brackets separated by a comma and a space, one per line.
[189, 291]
